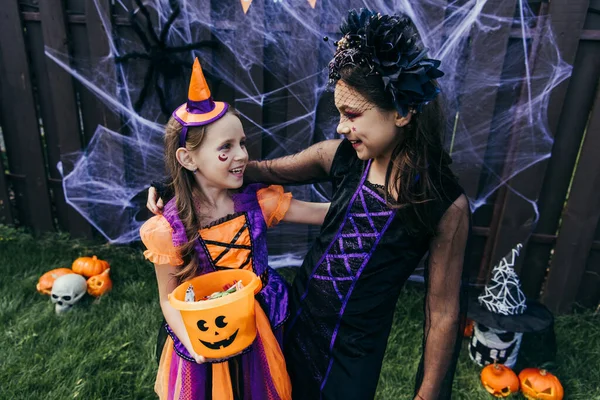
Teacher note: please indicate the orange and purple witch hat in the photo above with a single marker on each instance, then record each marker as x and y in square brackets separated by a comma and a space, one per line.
[200, 109]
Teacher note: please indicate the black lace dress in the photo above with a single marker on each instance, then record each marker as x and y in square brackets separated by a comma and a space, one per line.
[344, 295]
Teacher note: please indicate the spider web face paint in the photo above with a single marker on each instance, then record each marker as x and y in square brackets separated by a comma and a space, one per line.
[108, 182]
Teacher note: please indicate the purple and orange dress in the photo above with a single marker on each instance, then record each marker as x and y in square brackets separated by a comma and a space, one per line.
[236, 241]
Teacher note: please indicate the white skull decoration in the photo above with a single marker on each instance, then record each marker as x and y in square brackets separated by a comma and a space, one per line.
[67, 290]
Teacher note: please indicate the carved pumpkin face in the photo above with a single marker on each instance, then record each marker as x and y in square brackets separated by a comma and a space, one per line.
[539, 384]
[499, 380]
[99, 284]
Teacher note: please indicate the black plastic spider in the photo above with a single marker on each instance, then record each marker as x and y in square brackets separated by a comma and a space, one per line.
[162, 57]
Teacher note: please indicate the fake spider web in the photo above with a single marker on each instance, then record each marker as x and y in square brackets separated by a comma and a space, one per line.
[271, 63]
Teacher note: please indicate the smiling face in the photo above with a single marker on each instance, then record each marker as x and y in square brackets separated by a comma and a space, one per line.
[221, 158]
[372, 131]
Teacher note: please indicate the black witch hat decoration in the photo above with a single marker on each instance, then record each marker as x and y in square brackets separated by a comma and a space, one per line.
[503, 305]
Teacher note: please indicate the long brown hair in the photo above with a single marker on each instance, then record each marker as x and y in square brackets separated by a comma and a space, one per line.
[419, 164]
[186, 190]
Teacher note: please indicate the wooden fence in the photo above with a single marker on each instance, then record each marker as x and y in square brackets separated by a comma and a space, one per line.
[44, 114]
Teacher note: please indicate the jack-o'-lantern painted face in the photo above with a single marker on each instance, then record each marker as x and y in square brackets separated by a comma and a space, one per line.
[216, 333]
[224, 326]
[222, 331]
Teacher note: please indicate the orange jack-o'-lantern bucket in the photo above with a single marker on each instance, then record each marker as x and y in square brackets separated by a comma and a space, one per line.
[221, 327]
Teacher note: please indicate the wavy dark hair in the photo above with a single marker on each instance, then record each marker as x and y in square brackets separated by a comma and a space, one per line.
[419, 167]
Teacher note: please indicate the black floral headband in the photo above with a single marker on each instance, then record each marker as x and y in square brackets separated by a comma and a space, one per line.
[387, 46]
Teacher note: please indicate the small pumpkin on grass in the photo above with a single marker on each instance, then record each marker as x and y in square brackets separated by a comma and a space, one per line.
[539, 384]
[469, 326]
[499, 380]
[99, 284]
[89, 266]
[44, 285]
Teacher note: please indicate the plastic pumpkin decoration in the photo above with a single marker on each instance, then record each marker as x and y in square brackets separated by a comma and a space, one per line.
[44, 285]
[539, 384]
[224, 326]
[99, 284]
[499, 380]
[89, 266]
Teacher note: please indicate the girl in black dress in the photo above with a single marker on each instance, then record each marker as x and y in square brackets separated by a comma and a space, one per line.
[394, 202]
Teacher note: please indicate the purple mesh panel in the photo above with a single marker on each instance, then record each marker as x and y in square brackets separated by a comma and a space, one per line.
[193, 379]
[334, 277]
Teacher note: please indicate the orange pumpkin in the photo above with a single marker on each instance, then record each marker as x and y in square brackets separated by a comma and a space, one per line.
[44, 285]
[89, 266]
[468, 331]
[99, 284]
[539, 384]
[499, 380]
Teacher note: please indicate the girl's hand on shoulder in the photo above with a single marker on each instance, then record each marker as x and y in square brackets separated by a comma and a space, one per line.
[154, 203]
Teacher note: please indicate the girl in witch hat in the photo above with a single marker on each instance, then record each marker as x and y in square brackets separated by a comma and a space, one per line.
[210, 225]
[502, 314]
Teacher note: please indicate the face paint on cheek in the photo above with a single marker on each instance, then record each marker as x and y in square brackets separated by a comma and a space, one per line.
[353, 129]
[223, 157]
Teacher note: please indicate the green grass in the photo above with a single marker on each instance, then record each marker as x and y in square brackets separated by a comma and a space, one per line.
[104, 349]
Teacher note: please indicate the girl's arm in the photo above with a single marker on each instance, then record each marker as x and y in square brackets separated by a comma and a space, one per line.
[308, 166]
[304, 212]
[442, 305]
[166, 284]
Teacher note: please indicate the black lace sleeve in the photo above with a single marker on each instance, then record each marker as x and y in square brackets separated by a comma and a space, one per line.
[308, 166]
[445, 303]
